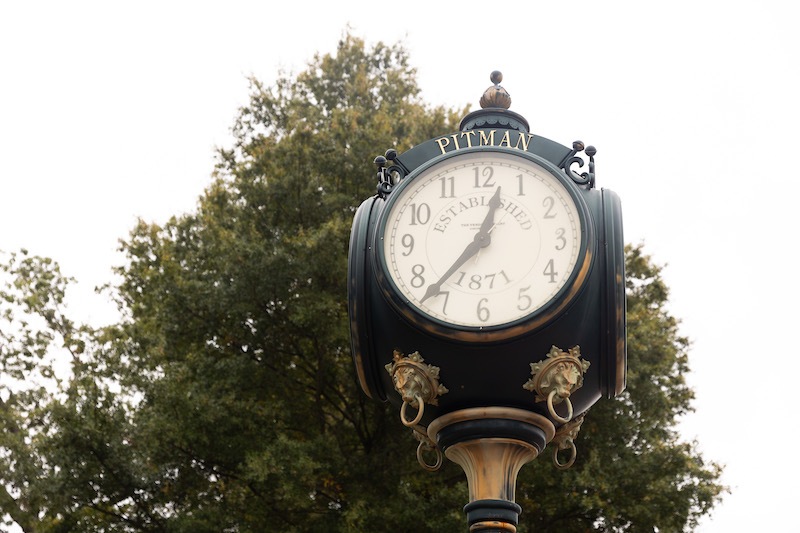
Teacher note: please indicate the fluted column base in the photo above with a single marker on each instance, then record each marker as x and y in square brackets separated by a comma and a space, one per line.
[491, 444]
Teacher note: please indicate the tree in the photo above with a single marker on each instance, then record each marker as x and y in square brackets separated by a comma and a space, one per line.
[225, 400]
[632, 473]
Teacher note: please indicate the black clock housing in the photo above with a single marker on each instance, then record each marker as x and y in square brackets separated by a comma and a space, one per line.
[476, 363]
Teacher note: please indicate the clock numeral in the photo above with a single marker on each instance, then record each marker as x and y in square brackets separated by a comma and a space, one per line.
[491, 278]
[417, 280]
[560, 236]
[483, 311]
[408, 242]
[503, 273]
[488, 172]
[523, 300]
[550, 270]
[448, 183]
[446, 297]
[548, 204]
[476, 281]
[420, 214]
[520, 193]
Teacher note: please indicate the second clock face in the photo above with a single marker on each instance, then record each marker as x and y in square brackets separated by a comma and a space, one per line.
[482, 239]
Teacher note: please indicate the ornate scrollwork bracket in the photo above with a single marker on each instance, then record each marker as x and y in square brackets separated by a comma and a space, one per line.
[418, 384]
[565, 440]
[555, 378]
[584, 179]
[389, 176]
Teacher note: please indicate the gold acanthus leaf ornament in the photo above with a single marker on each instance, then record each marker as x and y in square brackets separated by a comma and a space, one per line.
[496, 96]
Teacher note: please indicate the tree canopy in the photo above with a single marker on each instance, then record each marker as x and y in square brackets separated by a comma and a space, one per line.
[226, 400]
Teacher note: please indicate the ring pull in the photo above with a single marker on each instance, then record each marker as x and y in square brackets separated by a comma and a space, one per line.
[553, 411]
[422, 462]
[417, 382]
[564, 439]
[420, 412]
[573, 455]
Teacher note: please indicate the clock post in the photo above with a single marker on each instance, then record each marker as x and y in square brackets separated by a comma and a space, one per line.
[486, 295]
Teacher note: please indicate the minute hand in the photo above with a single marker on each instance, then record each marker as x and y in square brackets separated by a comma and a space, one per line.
[488, 222]
[482, 239]
[471, 249]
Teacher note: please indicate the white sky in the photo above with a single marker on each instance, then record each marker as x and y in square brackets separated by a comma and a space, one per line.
[110, 111]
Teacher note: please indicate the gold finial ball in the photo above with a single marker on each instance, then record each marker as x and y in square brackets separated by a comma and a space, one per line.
[496, 96]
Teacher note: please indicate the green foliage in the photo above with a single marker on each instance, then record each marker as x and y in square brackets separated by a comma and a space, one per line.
[226, 399]
[632, 473]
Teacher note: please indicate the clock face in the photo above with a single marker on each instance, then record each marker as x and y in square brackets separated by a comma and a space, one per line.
[482, 239]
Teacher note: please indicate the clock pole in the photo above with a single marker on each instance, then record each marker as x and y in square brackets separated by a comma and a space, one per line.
[483, 251]
[491, 445]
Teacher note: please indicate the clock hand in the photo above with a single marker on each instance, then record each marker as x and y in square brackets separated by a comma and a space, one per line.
[488, 222]
[482, 240]
[505, 214]
[472, 248]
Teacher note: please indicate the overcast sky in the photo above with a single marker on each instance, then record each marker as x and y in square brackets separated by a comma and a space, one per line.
[110, 111]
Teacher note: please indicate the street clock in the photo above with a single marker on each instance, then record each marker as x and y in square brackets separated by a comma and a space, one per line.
[486, 296]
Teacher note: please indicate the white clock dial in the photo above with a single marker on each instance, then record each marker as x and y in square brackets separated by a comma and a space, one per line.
[482, 239]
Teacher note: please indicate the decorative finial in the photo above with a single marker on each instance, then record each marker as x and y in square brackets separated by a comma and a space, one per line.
[496, 96]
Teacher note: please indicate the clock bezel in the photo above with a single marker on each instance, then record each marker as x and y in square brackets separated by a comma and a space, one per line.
[499, 332]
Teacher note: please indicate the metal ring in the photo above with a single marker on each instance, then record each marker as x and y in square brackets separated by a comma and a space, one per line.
[422, 462]
[571, 459]
[553, 411]
[414, 422]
